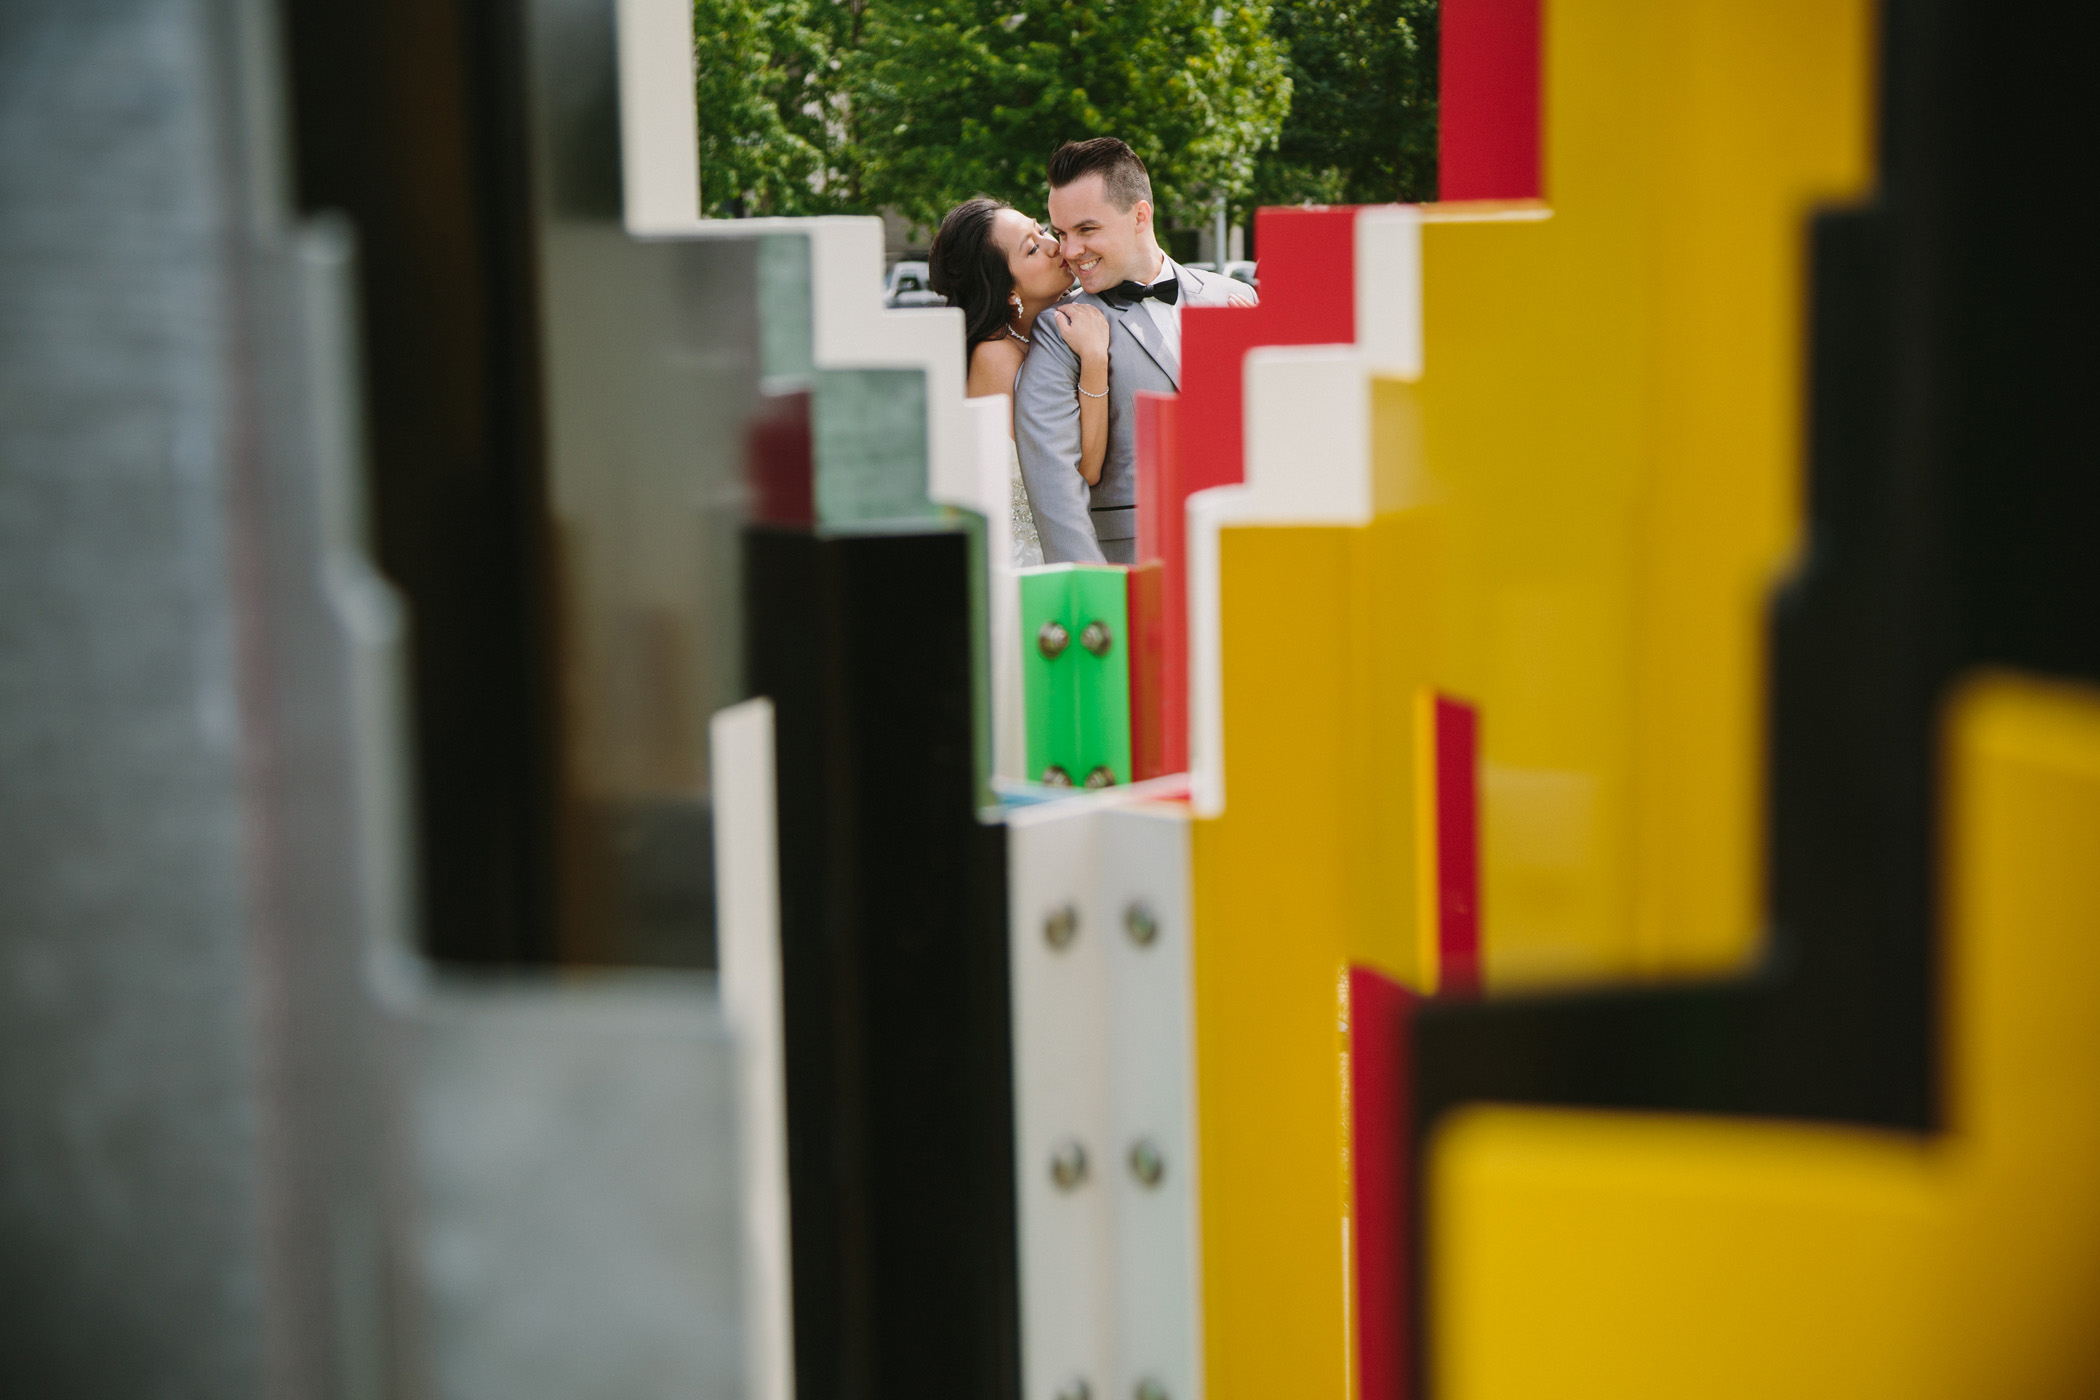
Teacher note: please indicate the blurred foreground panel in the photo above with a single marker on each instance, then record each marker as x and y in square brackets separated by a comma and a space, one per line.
[129, 1255]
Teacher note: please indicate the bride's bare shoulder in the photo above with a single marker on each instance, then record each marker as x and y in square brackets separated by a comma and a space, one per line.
[993, 365]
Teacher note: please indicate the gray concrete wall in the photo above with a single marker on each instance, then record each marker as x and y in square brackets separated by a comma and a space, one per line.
[129, 1262]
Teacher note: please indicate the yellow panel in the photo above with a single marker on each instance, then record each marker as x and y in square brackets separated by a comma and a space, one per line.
[1629, 1257]
[1267, 954]
[1617, 1255]
[1611, 413]
[1584, 501]
[2023, 964]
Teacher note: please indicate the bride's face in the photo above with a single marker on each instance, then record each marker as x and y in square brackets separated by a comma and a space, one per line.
[1031, 255]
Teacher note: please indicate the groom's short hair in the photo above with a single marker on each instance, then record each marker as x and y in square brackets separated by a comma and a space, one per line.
[1123, 176]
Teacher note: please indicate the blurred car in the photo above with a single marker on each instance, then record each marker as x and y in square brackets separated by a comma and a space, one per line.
[908, 285]
[1239, 271]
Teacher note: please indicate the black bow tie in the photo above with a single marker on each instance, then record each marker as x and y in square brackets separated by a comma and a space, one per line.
[1131, 293]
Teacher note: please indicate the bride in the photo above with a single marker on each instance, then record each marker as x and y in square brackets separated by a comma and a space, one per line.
[1003, 270]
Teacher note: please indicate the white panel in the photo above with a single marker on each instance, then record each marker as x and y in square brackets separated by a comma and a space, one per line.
[1060, 1096]
[1144, 860]
[1389, 289]
[1308, 434]
[1103, 1056]
[747, 924]
[1209, 512]
[988, 419]
[659, 124]
[854, 330]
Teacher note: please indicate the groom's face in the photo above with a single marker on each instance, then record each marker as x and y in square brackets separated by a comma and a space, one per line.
[1103, 245]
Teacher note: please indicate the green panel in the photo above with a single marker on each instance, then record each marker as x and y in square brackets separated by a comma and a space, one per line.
[1102, 682]
[869, 431]
[1046, 596]
[1078, 704]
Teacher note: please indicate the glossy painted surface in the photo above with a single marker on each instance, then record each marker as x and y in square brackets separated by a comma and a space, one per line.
[1632, 1255]
[1582, 503]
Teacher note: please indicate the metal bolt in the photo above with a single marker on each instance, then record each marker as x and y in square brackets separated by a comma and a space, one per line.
[1101, 777]
[1051, 639]
[1139, 923]
[1068, 1164]
[1075, 1389]
[1149, 1389]
[1146, 1164]
[1095, 637]
[1061, 926]
[1056, 776]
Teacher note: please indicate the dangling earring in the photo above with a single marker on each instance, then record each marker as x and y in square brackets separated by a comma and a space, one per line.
[1015, 303]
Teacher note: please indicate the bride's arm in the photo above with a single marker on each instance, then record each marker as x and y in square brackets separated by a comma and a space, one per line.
[1086, 332]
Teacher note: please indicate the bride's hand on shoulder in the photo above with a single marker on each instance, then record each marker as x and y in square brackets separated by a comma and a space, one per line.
[1085, 329]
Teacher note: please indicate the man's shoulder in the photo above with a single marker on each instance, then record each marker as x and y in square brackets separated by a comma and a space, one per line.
[1216, 289]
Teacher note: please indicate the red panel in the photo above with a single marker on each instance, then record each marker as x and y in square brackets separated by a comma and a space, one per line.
[781, 464]
[1160, 531]
[1488, 100]
[1148, 714]
[1308, 297]
[1458, 846]
[1163, 535]
[1380, 1011]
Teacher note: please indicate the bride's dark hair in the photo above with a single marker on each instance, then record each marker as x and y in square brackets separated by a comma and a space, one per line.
[966, 267]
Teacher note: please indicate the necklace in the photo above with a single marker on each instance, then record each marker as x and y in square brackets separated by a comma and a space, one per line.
[1015, 335]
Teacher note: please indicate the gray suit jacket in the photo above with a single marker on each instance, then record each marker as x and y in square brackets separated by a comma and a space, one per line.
[1098, 524]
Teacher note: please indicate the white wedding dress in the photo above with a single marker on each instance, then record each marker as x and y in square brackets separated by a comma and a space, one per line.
[1028, 546]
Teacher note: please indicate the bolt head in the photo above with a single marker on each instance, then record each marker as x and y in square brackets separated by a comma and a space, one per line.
[1101, 777]
[1068, 1165]
[1051, 639]
[1061, 926]
[1095, 637]
[1139, 923]
[1149, 1389]
[1056, 776]
[1146, 1163]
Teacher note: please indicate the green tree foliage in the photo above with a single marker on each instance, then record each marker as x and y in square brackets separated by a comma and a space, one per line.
[818, 106]
[824, 106]
[1362, 125]
[960, 97]
[767, 97]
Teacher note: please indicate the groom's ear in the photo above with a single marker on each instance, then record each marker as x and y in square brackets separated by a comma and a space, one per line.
[1143, 210]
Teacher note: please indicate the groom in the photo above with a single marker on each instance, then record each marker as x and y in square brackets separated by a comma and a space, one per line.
[1101, 212]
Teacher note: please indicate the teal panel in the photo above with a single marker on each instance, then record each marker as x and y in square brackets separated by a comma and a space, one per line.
[869, 431]
[786, 334]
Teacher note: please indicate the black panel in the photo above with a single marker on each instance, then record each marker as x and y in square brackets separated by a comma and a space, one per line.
[409, 116]
[893, 932]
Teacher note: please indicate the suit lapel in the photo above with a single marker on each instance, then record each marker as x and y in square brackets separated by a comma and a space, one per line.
[1138, 324]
